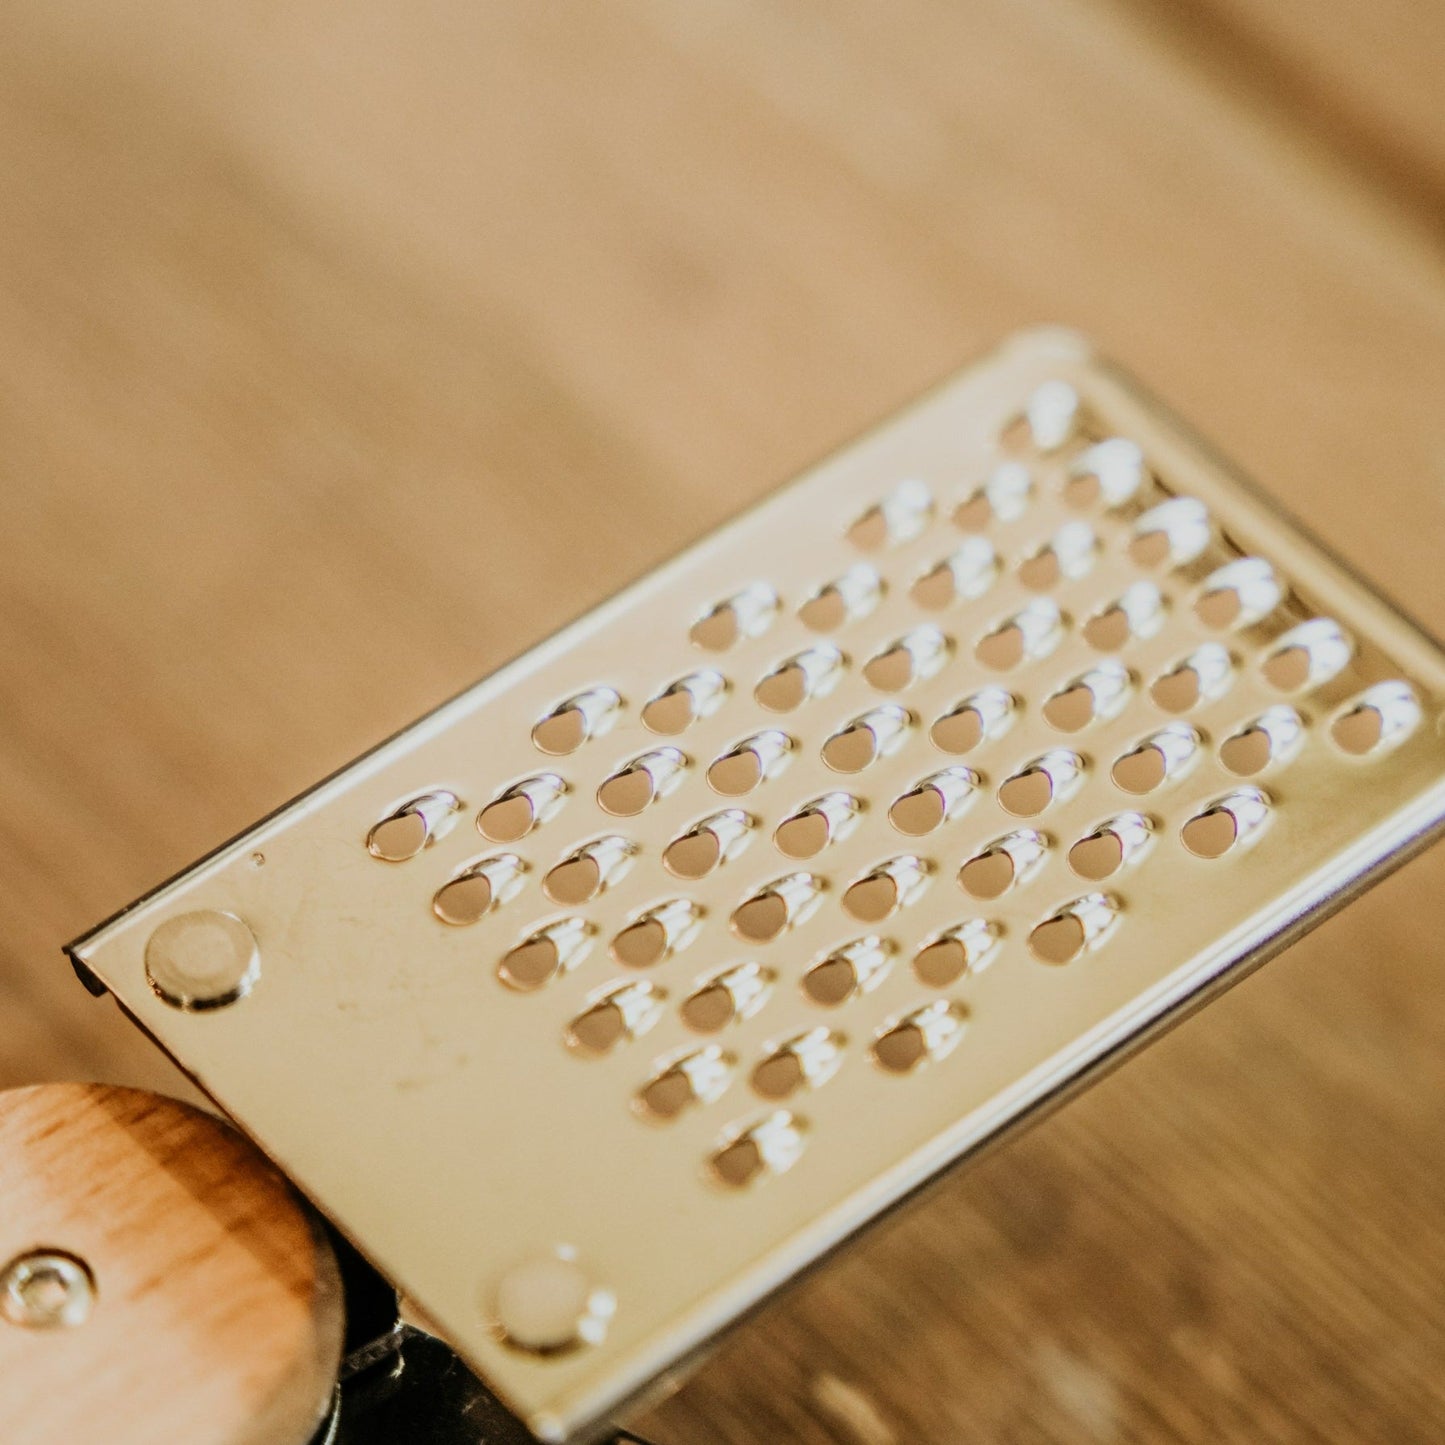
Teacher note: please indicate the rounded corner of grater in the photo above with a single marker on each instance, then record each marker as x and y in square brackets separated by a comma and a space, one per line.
[611, 995]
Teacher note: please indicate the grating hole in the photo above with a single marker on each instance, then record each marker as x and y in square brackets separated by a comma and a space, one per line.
[531, 964]
[1247, 752]
[804, 835]
[958, 732]
[778, 1077]
[399, 837]
[918, 812]
[1140, 771]
[1041, 571]
[766, 1149]
[853, 595]
[573, 881]
[851, 750]
[681, 704]
[1026, 793]
[1098, 856]
[1058, 940]
[1382, 717]
[563, 732]
[760, 919]
[412, 827]
[887, 888]
[589, 871]
[990, 875]
[540, 958]
[1238, 595]
[708, 844]
[513, 814]
[670, 712]
[1109, 630]
[736, 774]
[847, 972]
[573, 722]
[1029, 634]
[1358, 731]
[694, 855]
[1287, 669]
[1233, 820]
[1078, 926]
[901, 1049]
[832, 982]
[464, 900]
[1220, 608]
[1002, 649]
[899, 517]
[941, 963]
[1210, 834]
[748, 614]
[599, 1029]
[627, 793]
[642, 944]
[1116, 841]
[974, 513]
[1072, 709]
[872, 899]
[699, 1078]
[922, 1037]
[624, 1014]
[744, 766]
[1150, 549]
[731, 996]
[813, 673]
[471, 895]
[739, 1164]
[1168, 754]
[667, 1095]
[945, 959]
[1273, 737]
[783, 690]
[807, 1061]
[1176, 691]
[918, 655]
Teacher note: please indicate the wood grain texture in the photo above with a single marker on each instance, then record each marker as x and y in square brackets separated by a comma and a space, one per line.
[217, 1315]
[346, 349]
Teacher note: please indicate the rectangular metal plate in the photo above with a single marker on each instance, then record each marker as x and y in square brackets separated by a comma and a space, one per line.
[461, 1129]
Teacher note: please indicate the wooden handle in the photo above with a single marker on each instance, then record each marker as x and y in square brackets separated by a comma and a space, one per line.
[159, 1280]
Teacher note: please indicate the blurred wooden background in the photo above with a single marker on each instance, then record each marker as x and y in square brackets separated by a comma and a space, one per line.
[347, 347]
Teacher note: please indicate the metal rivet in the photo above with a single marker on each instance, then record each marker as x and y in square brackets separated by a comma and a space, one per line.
[202, 960]
[550, 1304]
[46, 1289]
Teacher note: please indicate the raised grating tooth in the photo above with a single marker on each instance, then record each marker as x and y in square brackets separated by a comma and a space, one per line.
[798, 871]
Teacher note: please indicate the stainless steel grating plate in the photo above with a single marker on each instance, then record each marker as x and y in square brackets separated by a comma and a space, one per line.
[616, 991]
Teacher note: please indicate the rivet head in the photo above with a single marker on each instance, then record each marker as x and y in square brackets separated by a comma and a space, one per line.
[549, 1304]
[46, 1289]
[202, 960]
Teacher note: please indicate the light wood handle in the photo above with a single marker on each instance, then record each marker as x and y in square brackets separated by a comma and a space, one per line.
[159, 1280]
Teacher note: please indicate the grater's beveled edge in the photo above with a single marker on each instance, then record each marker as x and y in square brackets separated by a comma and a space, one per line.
[394, 1030]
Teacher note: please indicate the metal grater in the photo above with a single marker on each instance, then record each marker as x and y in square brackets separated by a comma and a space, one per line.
[612, 994]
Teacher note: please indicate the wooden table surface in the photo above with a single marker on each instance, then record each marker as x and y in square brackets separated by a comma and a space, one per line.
[347, 348]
